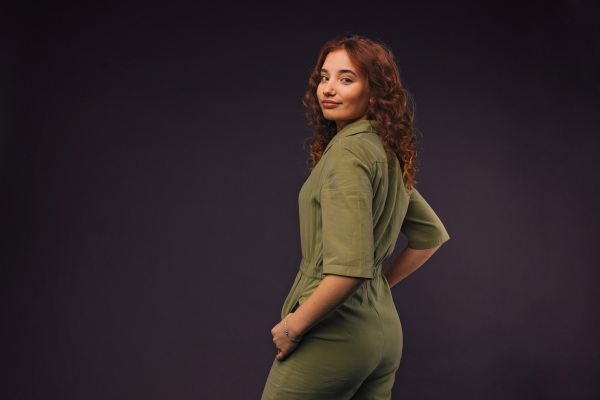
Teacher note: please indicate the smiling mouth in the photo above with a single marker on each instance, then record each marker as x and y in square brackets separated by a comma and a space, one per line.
[330, 104]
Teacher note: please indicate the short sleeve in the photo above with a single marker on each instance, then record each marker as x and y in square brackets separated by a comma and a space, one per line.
[421, 225]
[346, 208]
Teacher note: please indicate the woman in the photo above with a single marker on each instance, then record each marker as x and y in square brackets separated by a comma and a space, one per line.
[340, 335]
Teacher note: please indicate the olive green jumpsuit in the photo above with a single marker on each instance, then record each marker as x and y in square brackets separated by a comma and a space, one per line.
[352, 209]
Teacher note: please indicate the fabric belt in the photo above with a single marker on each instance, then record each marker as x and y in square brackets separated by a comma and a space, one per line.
[316, 271]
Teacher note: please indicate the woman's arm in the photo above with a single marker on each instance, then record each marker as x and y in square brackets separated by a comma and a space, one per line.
[332, 292]
[328, 296]
[407, 262]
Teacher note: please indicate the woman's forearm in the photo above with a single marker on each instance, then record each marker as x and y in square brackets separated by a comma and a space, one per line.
[332, 292]
[407, 262]
[328, 296]
[335, 289]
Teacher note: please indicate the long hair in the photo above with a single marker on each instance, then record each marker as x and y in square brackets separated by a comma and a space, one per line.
[392, 108]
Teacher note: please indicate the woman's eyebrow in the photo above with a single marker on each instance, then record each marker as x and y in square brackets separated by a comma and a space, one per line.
[341, 71]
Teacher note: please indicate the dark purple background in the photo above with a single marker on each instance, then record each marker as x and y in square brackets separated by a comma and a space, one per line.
[151, 163]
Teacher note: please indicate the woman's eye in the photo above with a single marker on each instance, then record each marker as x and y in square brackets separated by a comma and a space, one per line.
[324, 79]
[346, 80]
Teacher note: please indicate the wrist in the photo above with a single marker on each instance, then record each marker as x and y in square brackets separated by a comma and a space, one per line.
[292, 328]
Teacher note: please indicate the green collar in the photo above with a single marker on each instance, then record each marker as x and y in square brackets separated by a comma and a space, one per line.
[360, 126]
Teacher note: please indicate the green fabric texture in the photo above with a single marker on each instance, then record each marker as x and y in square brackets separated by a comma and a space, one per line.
[352, 208]
[351, 354]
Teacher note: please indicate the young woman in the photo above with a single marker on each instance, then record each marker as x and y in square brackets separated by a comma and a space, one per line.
[340, 335]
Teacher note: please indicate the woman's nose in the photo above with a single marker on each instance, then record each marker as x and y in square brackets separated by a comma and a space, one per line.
[328, 89]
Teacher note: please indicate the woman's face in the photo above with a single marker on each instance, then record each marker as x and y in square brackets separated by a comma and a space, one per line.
[343, 92]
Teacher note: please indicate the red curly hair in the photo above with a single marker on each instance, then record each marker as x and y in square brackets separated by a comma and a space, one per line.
[392, 108]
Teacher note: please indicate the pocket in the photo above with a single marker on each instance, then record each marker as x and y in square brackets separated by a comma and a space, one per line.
[295, 306]
[288, 307]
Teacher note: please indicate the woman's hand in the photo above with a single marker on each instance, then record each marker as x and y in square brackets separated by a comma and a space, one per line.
[328, 296]
[283, 343]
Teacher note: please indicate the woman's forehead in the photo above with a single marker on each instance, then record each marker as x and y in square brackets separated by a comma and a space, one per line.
[339, 61]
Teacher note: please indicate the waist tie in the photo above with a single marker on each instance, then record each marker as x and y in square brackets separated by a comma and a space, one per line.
[316, 271]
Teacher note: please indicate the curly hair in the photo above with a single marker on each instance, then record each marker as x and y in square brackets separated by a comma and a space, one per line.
[392, 109]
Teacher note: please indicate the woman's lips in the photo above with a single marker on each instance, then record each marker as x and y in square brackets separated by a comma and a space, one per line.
[330, 104]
